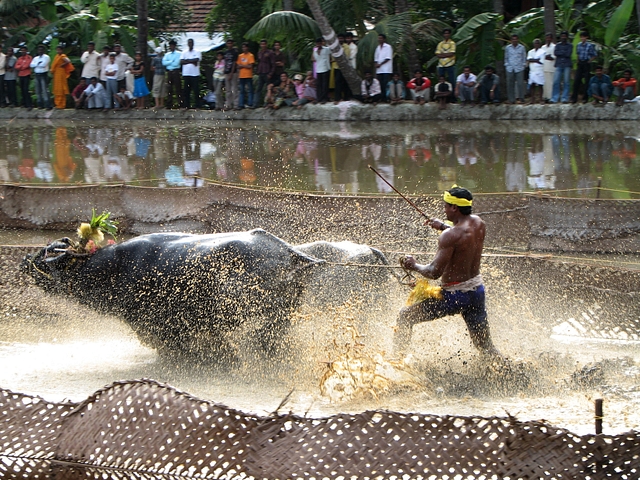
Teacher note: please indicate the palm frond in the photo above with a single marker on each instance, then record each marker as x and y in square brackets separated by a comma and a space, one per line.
[284, 23]
[395, 27]
[429, 29]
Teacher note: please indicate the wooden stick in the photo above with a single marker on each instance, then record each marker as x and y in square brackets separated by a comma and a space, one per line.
[598, 416]
[398, 192]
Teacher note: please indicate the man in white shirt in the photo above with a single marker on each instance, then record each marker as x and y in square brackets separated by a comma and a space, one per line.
[95, 94]
[535, 59]
[549, 66]
[322, 57]
[465, 86]
[40, 65]
[353, 49]
[124, 62]
[190, 60]
[92, 62]
[383, 59]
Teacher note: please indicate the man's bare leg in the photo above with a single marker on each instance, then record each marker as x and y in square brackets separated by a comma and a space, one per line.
[408, 317]
[481, 338]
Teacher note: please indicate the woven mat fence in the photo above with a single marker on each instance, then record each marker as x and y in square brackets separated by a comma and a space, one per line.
[145, 430]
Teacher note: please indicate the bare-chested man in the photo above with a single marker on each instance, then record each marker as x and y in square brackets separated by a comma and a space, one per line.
[457, 261]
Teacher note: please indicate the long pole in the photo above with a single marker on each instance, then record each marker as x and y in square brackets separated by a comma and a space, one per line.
[396, 190]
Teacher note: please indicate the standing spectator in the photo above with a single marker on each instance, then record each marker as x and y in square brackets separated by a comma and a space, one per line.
[190, 61]
[266, 68]
[95, 95]
[91, 60]
[561, 77]
[140, 89]
[353, 50]
[340, 83]
[11, 77]
[549, 66]
[218, 79]
[78, 94]
[489, 86]
[40, 65]
[322, 59]
[171, 61]
[600, 86]
[159, 88]
[3, 63]
[111, 73]
[443, 92]
[104, 61]
[124, 63]
[23, 67]
[278, 61]
[446, 53]
[535, 58]
[625, 88]
[61, 68]
[383, 58]
[515, 61]
[466, 86]
[231, 75]
[395, 90]
[419, 87]
[371, 90]
[246, 60]
[586, 53]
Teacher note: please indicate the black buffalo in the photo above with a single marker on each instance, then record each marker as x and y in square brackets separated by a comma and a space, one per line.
[181, 292]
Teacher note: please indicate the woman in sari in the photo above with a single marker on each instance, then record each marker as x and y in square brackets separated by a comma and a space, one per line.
[61, 68]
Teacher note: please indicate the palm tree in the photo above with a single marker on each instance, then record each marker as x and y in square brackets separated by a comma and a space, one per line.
[350, 74]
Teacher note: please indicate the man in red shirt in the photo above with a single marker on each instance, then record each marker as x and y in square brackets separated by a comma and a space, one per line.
[23, 67]
[78, 93]
[419, 87]
[625, 88]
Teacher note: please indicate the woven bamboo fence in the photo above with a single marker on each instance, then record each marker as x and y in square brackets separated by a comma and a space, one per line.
[145, 430]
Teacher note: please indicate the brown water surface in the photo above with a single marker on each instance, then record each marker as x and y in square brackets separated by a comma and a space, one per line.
[417, 158]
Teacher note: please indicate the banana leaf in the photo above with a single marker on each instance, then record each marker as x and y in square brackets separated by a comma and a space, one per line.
[618, 22]
[467, 32]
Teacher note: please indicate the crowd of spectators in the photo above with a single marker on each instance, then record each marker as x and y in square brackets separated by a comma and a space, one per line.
[114, 80]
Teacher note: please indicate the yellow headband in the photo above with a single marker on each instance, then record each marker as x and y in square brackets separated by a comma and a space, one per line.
[460, 202]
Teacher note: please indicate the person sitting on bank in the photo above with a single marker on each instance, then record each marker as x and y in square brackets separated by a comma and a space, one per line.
[78, 94]
[95, 95]
[370, 89]
[466, 86]
[395, 90]
[457, 263]
[281, 95]
[625, 88]
[419, 87]
[443, 93]
[309, 95]
[600, 87]
[489, 86]
[124, 99]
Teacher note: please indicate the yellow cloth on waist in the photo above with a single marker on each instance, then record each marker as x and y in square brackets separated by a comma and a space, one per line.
[424, 290]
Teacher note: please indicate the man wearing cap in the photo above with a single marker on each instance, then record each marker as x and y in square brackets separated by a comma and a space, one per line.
[457, 261]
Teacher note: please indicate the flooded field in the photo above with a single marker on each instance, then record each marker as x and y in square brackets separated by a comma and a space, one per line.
[417, 157]
[563, 349]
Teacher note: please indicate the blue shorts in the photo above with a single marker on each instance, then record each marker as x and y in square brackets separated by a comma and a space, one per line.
[469, 304]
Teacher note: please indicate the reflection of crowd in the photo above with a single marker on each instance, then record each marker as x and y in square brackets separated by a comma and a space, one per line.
[414, 162]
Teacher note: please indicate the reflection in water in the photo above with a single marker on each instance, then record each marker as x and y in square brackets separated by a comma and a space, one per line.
[417, 158]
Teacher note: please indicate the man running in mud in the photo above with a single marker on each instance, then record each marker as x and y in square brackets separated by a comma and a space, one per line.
[457, 261]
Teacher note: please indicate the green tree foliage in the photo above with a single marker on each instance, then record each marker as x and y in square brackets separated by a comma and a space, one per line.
[234, 17]
[162, 14]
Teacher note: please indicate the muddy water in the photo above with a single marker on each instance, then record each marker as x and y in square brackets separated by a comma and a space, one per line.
[416, 157]
[62, 350]
[554, 371]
